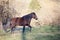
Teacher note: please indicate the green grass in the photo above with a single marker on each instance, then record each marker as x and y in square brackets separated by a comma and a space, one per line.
[42, 33]
[48, 37]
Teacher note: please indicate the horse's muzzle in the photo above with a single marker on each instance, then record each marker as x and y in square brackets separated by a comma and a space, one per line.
[36, 18]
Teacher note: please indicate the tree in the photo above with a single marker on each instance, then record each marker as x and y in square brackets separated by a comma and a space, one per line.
[34, 5]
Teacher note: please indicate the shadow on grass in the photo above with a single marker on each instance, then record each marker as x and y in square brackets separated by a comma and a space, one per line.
[23, 36]
[47, 37]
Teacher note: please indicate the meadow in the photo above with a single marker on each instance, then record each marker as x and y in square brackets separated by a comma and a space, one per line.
[42, 33]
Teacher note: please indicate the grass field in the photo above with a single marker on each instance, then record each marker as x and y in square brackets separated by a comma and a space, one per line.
[41, 33]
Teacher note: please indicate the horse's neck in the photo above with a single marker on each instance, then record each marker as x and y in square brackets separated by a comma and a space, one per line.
[28, 16]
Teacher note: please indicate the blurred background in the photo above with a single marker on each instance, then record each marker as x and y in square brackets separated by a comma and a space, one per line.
[47, 27]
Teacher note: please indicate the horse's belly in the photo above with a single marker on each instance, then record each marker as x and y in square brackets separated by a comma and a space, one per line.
[19, 24]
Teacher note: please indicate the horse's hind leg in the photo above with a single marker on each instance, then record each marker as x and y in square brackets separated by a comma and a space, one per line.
[23, 29]
[12, 29]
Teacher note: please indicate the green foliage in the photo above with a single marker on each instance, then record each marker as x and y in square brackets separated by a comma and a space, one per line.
[34, 5]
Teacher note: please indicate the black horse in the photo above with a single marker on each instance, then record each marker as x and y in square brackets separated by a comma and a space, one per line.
[22, 21]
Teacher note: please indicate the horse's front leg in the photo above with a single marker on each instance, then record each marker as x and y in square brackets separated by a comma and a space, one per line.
[23, 29]
[30, 27]
[12, 29]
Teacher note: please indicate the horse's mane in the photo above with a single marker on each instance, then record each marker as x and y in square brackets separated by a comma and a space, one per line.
[26, 15]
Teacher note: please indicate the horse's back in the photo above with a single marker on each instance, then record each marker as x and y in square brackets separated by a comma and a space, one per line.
[17, 21]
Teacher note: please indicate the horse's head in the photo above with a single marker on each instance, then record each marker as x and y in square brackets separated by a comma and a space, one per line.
[34, 15]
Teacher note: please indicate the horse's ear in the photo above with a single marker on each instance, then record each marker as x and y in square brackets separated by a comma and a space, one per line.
[33, 13]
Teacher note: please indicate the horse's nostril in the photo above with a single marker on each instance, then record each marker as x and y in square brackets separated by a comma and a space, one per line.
[36, 18]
